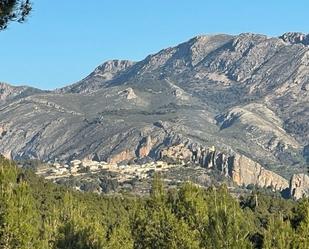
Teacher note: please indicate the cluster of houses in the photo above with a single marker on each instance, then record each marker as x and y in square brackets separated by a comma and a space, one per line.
[75, 167]
[80, 167]
[140, 171]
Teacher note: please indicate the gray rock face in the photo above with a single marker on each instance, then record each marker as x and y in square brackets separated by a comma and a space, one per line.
[96, 80]
[246, 95]
[299, 186]
[8, 92]
[295, 38]
[242, 170]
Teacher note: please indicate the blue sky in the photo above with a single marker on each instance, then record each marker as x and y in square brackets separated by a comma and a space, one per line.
[64, 40]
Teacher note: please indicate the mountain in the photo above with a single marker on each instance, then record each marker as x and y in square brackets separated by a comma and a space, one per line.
[9, 92]
[244, 96]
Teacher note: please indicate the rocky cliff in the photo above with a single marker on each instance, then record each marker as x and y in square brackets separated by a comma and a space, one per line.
[299, 186]
[245, 171]
[242, 170]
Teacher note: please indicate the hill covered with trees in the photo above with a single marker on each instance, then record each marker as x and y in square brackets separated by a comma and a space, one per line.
[35, 213]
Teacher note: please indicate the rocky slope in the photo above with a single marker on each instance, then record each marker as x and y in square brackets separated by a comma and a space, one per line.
[240, 169]
[246, 95]
[299, 186]
[8, 92]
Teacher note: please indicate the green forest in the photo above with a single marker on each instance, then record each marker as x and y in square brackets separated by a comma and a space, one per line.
[35, 213]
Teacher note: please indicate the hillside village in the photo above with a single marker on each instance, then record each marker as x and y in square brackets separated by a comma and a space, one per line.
[88, 175]
[80, 167]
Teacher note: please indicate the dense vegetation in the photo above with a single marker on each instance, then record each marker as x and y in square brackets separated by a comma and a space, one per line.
[35, 213]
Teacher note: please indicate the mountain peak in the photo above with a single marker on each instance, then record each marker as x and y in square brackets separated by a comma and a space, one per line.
[295, 38]
[102, 74]
[113, 66]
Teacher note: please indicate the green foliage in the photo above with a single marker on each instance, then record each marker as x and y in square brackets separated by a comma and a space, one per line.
[13, 11]
[156, 226]
[38, 214]
[78, 230]
[227, 227]
[301, 223]
[265, 205]
[279, 234]
[120, 236]
[190, 205]
[18, 214]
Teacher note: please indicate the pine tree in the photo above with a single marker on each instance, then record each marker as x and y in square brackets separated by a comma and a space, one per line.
[279, 234]
[78, 230]
[157, 191]
[301, 239]
[155, 226]
[19, 226]
[120, 236]
[190, 205]
[227, 227]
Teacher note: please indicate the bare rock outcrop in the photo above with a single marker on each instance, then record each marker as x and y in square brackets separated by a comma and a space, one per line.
[7, 154]
[128, 93]
[245, 172]
[145, 147]
[125, 155]
[8, 92]
[108, 69]
[241, 169]
[295, 38]
[99, 77]
[177, 152]
[299, 186]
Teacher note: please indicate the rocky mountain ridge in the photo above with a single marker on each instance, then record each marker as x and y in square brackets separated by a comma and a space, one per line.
[9, 92]
[246, 95]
